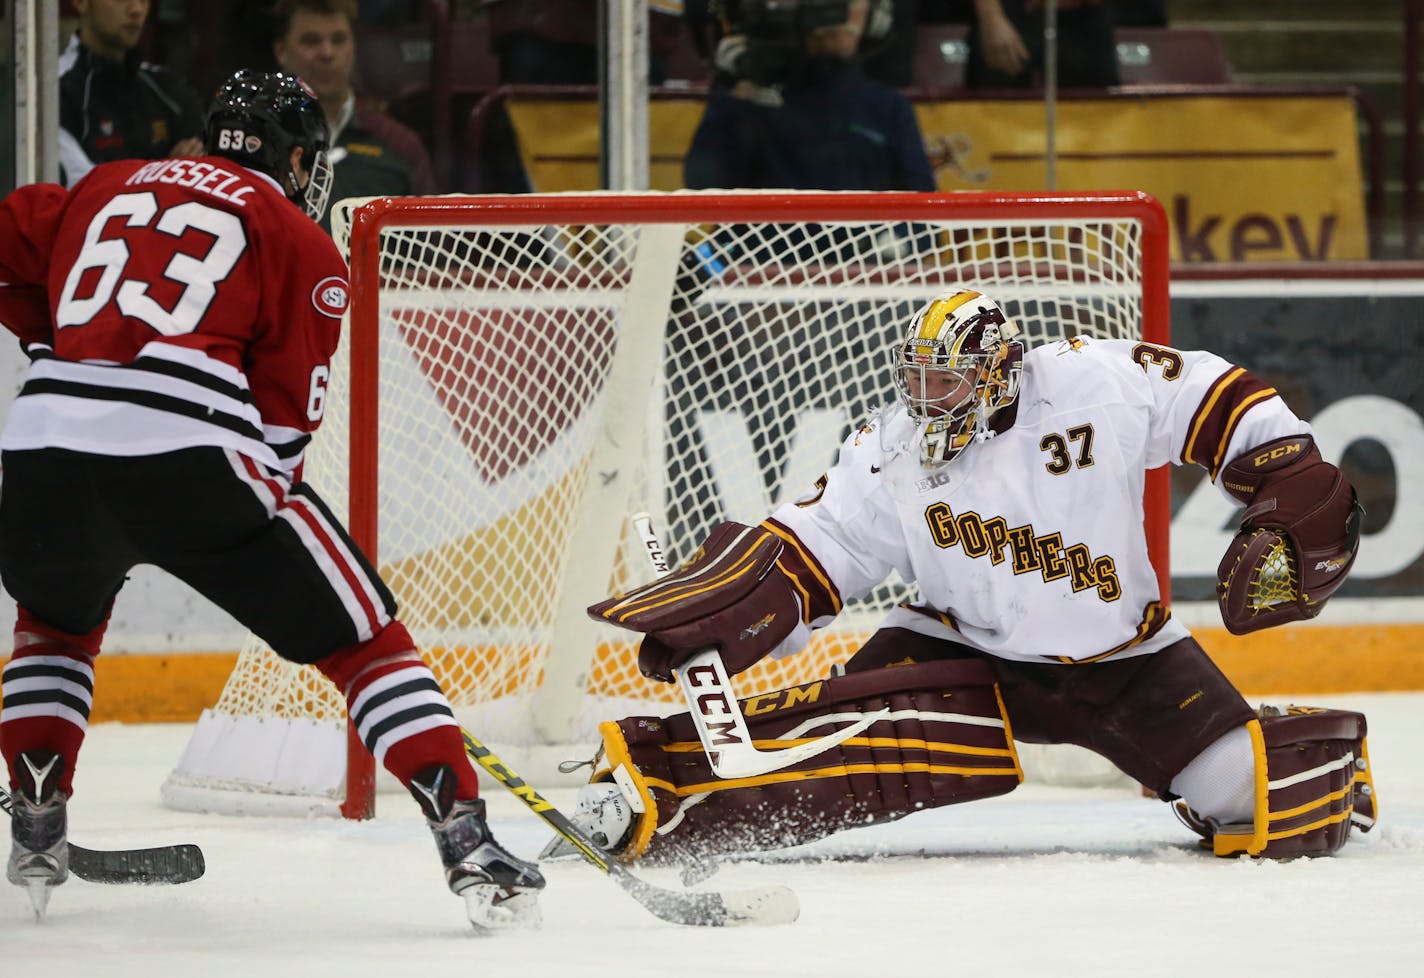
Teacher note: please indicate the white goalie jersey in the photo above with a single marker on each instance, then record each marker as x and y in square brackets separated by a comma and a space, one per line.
[1030, 545]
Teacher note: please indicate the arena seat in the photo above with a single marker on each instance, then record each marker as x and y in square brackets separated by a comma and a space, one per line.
[393, 61]
[941, 56]
[1171, 56]
[1145, 56]
[686, 65]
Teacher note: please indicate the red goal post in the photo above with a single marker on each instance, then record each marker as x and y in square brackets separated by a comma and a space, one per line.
[522, 373]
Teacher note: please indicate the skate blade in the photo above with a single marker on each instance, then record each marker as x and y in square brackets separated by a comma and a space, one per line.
[39, 890]
[488, 914]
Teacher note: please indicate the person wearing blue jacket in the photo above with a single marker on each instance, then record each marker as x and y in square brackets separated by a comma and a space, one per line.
[825, 126]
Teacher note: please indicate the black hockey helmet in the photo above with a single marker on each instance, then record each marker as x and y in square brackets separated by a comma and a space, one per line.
[258, 117]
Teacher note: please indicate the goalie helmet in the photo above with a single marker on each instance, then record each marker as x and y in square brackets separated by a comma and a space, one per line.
[959, 365]
[257, 118]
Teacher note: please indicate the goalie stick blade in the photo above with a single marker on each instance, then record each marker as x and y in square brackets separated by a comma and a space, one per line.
[750, 762]
[161, 865]
[730, 751]
[762, 906]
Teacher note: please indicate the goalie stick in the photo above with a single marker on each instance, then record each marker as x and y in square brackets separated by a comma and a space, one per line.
[760, 905]
[181, 863]
[731, 753]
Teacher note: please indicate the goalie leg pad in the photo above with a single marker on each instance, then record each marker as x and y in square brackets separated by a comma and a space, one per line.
[1313, 783]
[946, 740]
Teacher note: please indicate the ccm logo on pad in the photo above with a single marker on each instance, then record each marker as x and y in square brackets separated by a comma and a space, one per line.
[330, 297]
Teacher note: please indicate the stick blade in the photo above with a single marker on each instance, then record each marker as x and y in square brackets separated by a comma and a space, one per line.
[162, 865]
[764, 906]
[760, 906]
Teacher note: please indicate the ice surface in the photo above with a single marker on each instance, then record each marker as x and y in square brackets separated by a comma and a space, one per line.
[1044, 881]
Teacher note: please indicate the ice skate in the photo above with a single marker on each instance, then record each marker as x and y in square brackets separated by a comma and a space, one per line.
[603, 814]
[500, 890]
[39, 851]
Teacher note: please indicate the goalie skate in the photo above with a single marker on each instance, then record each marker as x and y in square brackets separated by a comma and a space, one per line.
[602, 813]
[39, 851]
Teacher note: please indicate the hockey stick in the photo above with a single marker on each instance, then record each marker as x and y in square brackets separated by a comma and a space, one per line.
[181, 863]
[712, 703]
[761, 905]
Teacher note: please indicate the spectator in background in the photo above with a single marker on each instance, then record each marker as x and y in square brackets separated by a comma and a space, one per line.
[887, 52]
[825, 127]
[1006, 44]
[112, 104]
[372, 154]
[554, 42]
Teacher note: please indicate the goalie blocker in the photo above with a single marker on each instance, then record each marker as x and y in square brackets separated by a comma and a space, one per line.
[734, 596]
[945, 740]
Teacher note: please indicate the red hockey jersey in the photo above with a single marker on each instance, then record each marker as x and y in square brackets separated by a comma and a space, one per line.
[189, 303]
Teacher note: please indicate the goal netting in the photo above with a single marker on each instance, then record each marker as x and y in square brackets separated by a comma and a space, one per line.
[521, 374]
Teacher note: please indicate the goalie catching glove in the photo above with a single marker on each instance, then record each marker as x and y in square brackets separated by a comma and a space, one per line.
[732, 596]
[1297, 540]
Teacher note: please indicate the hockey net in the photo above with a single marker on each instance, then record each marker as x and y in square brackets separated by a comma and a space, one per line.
[522, 374]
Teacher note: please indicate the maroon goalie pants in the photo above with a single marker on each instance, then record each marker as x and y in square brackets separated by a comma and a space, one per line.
[1149, 715]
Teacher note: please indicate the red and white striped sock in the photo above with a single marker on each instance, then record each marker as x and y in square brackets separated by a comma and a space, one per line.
[399, 709]
[49, 692]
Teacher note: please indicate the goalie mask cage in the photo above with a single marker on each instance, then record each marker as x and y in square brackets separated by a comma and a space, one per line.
[522, 373]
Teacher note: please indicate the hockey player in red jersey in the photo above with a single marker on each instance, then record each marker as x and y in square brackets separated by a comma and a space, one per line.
[1007, 485]
[179, 369]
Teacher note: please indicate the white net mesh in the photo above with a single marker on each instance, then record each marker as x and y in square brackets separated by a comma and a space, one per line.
[701, 370]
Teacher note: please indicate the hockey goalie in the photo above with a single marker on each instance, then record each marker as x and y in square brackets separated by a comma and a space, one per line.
[1007, 486]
